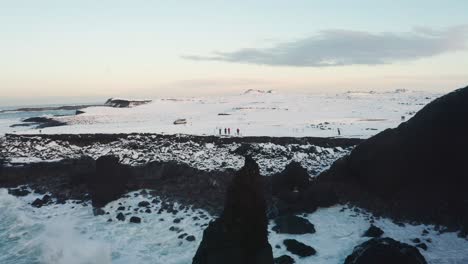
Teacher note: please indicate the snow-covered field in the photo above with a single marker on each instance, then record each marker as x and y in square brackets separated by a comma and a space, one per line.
[356, 114]
[69, 233]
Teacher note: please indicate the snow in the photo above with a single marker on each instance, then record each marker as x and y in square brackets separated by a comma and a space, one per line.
[255, 114]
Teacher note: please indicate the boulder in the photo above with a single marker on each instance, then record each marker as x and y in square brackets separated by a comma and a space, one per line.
[135, 219]
[109, 182]
[120, 217]
[240, 234]
[294, 178]
[190, 238]
[46, 199]
[289, 187]
[291, 224]
[284, 259]
[98, 211]
[298, 248]
[385, 251]
[143, 204]
[373, 231]
[18, 191]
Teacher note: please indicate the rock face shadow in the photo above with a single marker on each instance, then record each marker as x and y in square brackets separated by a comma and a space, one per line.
[240, 234]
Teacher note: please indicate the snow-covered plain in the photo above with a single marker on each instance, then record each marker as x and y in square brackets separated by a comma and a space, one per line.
[69, 233]
[356, 114]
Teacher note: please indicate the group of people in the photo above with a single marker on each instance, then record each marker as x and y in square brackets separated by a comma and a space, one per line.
[227, 131]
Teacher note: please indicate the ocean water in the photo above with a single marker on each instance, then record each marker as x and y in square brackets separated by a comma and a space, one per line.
[9, 117]
[70, 234]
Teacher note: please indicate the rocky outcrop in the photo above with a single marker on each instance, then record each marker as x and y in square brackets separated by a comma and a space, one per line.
[109, 182]
[291, 224]
[40, 122]
[417, 171]
[240, 234]
[119, 103]
[385, 251]
[298, 248]
[373, 231]
[289, 188]
[284, 259]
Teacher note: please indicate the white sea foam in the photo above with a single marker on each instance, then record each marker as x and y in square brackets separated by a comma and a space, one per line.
[69, 233]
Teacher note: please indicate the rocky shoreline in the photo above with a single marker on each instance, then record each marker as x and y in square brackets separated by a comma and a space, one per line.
[177, 167]
[415, 173]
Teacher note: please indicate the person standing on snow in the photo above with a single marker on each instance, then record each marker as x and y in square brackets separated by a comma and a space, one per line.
[220, 131]
[225, 131]
[238, 131]
[229, 130]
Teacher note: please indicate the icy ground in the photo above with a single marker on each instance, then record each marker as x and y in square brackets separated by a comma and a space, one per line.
[137, 150]
[69, 233]
[356, 114]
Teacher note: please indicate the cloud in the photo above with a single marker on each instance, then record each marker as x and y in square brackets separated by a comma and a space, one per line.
[346, 47]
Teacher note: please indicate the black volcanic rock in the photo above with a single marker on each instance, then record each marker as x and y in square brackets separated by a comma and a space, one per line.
[18, 192]
[288, 187]
[143, 204]
[120, 217]
[240, 234]
[293, 178]
[417, 171]
[291, 224]
[298, 248]
[46, 199]
[373, 231]
[385, 251]
[135, 219]
[284, 259]
[43, 122]
[110, 181]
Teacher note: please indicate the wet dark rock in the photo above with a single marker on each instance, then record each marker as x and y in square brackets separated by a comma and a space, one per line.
[289, 186]
[98, 211]
[298, 248]
[373, 231]
[19, 192]
[416, 240]
[181, 236]
[422, 246]
[240, 234]
[175, 229]
[46, 199]
[190, 238]
[121, 208]
[109, 182]
[120, 217]
[177, 220]
[284, 259]
[291, 224]
[43, 122]
[143, 204]
[135, 219]
[385, 251]
[148, 211]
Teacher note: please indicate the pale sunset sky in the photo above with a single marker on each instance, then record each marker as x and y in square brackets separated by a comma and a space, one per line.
[143, 48]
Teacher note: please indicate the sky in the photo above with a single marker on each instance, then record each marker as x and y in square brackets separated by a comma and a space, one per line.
[102, 48]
